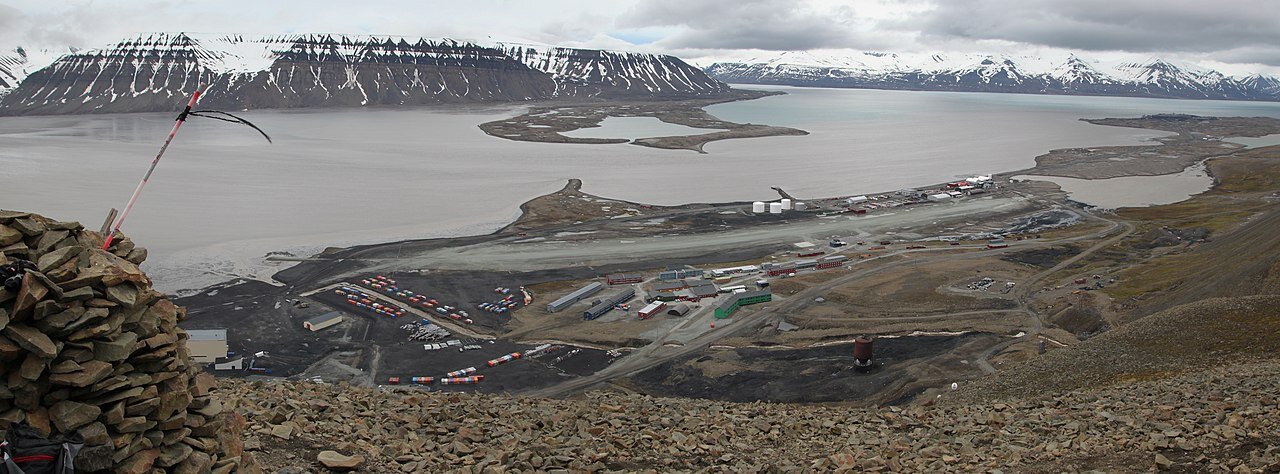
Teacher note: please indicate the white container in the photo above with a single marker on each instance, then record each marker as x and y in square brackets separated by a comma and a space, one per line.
[775, 208]
[786, 204]
[757, 207]
[800, 206]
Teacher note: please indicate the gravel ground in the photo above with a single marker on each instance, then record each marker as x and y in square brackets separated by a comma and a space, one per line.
[1218, 420]
[1209, 333]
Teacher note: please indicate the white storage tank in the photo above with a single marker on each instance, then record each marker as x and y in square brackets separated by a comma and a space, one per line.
[757, 207]
[786, 204]
[800, 206]
[775, 208]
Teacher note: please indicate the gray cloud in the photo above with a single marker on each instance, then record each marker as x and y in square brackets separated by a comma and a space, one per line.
[1243, 32]
[1156, 26]
[745, 24]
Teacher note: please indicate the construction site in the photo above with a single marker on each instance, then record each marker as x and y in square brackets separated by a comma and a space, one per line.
[734, 301]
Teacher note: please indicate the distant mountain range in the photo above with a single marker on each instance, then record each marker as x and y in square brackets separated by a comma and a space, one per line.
[150, 73]
[1069, 75]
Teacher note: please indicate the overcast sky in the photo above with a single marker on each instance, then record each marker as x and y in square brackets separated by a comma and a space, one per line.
[1236, 36]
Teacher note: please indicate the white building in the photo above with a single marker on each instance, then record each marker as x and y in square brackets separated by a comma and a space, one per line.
[207, 345]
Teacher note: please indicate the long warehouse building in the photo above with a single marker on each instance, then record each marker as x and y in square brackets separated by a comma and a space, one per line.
[739, 300]
[571, 298]
[608, 304]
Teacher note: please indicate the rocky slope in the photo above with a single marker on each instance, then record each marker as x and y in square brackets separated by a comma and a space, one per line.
[1071, 75]
[87, 346]
[1223, 419]
[152, 72]
[1195, 336]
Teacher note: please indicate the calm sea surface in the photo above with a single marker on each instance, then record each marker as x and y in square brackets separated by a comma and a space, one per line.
[222, 198]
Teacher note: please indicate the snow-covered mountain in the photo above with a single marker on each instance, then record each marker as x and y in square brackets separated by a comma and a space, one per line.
[147, 73]
[17, 63]
[585, 72]
[995, 73]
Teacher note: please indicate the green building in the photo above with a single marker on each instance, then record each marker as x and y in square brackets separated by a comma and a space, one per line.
[739, 300]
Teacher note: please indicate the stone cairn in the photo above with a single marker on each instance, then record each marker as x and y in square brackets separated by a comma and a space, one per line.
[88, 347]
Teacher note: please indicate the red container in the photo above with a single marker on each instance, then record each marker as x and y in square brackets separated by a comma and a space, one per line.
[862, 348]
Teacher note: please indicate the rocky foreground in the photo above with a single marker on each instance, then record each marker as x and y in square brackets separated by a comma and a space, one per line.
[1225, 419]
[88, 348]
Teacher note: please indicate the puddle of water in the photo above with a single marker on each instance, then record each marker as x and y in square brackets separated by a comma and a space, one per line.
[1134, 191]
[635, 127]
[1259, 142]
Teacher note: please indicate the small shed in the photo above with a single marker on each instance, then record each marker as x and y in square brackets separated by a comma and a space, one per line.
[679, 310]
[325, 320]
[233, 364]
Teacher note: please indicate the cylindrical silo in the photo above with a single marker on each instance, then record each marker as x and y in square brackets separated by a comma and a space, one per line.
[786, 203]
[800, 206]
[757, 207]
[862, 352]
[775, 208]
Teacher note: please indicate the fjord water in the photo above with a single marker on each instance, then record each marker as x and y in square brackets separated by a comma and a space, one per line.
[222, 197]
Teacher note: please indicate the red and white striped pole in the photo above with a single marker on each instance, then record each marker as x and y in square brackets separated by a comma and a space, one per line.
[133, 199]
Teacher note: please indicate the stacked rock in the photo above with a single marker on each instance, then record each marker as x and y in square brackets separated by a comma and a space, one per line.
[88, 347]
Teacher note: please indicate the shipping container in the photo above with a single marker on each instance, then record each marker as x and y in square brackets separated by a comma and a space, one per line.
[475, 379]
[460, 373]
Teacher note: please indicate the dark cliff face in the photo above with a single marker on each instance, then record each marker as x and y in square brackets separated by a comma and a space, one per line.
[1154, 78]
[152, 73]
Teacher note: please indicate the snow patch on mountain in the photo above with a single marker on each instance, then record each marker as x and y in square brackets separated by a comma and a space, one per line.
[1058, 74]
[17, 63]
[145, 72]
[580, 72]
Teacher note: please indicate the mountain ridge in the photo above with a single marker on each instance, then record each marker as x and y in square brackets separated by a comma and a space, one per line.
[145, 73]
[1070, 75]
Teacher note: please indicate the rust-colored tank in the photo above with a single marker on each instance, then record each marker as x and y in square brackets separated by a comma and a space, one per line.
[862, 350]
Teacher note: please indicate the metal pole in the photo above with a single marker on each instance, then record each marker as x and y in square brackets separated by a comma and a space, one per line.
[136, 192]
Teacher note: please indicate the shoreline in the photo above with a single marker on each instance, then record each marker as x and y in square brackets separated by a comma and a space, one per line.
[521, 219]
[546, 123]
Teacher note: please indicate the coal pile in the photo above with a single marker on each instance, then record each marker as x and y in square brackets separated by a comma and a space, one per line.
[88, 347]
